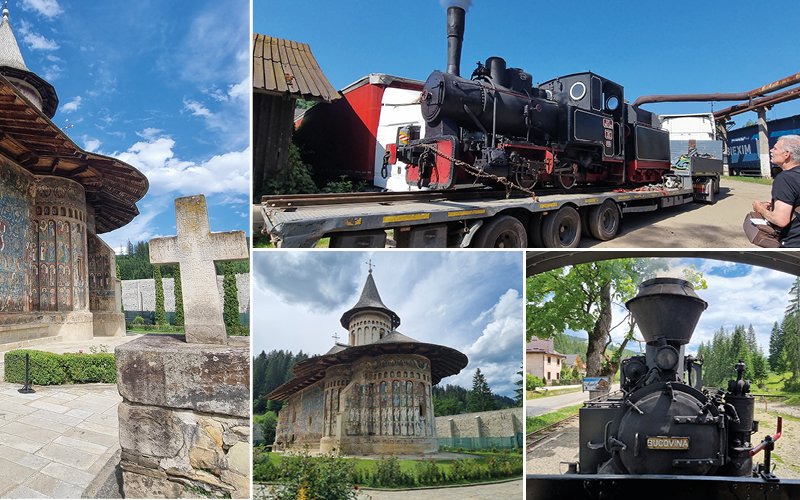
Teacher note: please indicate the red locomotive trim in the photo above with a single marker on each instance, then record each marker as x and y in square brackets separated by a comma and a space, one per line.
[642, 165]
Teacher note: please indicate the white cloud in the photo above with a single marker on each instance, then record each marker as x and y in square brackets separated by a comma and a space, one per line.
[73, 105]
[196, 108]
[91, 145]
[33, 39]
[240, 90]
[47, 8]
[225, 173]
[52, 73]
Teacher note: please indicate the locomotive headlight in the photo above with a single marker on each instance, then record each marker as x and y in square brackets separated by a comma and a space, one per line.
[667, 357]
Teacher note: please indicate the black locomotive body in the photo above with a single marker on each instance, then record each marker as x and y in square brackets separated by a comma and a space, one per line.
[663, 422]
[570, 130]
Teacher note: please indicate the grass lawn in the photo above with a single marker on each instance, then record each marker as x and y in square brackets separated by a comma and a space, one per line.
[535, 423]
[136, 329]
[757, 180]
[410, 466]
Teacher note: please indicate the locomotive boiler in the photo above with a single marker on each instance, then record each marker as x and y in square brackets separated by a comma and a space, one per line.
[664, 423]
[498, 128]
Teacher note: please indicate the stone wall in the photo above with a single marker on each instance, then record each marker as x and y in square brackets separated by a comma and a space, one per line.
[184, 422]
[499, 423]
[140, 295]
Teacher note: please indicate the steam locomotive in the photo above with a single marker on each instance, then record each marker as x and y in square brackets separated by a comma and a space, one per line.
[664, 423]
[575, 129]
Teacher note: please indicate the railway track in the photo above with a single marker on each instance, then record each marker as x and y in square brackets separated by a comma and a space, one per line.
[538, 436]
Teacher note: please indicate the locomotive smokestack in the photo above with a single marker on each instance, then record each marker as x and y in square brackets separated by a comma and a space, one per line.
[455, 37]
[666, 308]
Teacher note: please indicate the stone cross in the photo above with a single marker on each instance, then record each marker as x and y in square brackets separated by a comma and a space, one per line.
[196, 249]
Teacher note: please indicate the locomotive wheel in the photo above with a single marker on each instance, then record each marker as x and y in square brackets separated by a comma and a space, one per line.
[604, 220]
[501, 231]
[566, 177]
[562, 229]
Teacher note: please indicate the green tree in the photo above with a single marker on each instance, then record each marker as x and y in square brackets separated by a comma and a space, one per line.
[480, 397]
[775, 346]
[161, 314]
[519, 397]
[580, 298]
[179, 315]
[231, 291]
[269, 423]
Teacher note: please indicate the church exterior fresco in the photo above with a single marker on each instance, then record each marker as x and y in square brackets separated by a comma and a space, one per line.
[16, 187]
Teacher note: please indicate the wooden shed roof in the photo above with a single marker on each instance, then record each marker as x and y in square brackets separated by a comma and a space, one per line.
[283, 67]
[28, 137]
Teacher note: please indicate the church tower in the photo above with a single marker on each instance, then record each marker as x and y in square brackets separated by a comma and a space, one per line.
[369, 320]
[35, 88]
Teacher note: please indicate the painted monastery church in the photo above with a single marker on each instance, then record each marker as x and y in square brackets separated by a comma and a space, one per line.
[369, 396]
[57, 277]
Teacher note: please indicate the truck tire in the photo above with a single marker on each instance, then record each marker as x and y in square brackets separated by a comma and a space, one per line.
[710, 190]
[562, 229]
[501, 231]
[604, 220]
[716, 185]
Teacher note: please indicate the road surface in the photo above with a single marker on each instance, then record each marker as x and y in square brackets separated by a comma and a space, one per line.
[694, 225]
[549, 404]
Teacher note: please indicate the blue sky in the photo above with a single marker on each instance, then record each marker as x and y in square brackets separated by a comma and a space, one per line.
[682, 46]
[163, 86]
[737, 294]
[470, 301]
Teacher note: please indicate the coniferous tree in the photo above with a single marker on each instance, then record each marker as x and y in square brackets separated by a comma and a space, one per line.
[775, 346]
[518, 392]
[161, 314]
[480, 397]
[179, 315]
[231, 293]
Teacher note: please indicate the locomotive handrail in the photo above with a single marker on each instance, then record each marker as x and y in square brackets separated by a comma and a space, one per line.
[769, 441]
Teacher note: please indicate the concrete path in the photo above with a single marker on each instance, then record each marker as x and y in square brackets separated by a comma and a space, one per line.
[55, 442]
[511, 490]
[539, 406]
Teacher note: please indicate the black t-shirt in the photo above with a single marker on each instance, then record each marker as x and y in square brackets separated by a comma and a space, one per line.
[786, 188]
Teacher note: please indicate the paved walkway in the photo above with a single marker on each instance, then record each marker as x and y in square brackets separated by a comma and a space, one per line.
[53, 443]
[511, 490]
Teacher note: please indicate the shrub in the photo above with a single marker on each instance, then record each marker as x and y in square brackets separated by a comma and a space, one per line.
[327, 477]
[47, 368]
[531, 382]
[388, 473]
[84, 368]
[138, 320]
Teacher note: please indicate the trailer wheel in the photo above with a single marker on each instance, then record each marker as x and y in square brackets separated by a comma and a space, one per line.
[501, 231]
[604, 220]
[716, 185]
[562, 229]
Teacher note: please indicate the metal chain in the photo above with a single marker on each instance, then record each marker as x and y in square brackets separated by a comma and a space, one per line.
[479, 173]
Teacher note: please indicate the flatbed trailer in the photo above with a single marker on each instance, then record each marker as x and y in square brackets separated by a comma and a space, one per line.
[475, 218]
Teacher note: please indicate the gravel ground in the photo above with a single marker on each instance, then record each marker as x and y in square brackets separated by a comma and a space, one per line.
[563, 446]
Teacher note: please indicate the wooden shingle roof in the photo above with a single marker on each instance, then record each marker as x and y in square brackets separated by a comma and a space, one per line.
[283, 67]
[28, 137]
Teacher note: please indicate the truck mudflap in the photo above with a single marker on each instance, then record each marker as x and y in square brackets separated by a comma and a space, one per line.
[611, 487]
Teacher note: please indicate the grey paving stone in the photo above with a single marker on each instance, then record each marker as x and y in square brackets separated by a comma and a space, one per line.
[24, 492]
[68, 474]
[67, 455]
[19, 443]
[21, 429]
